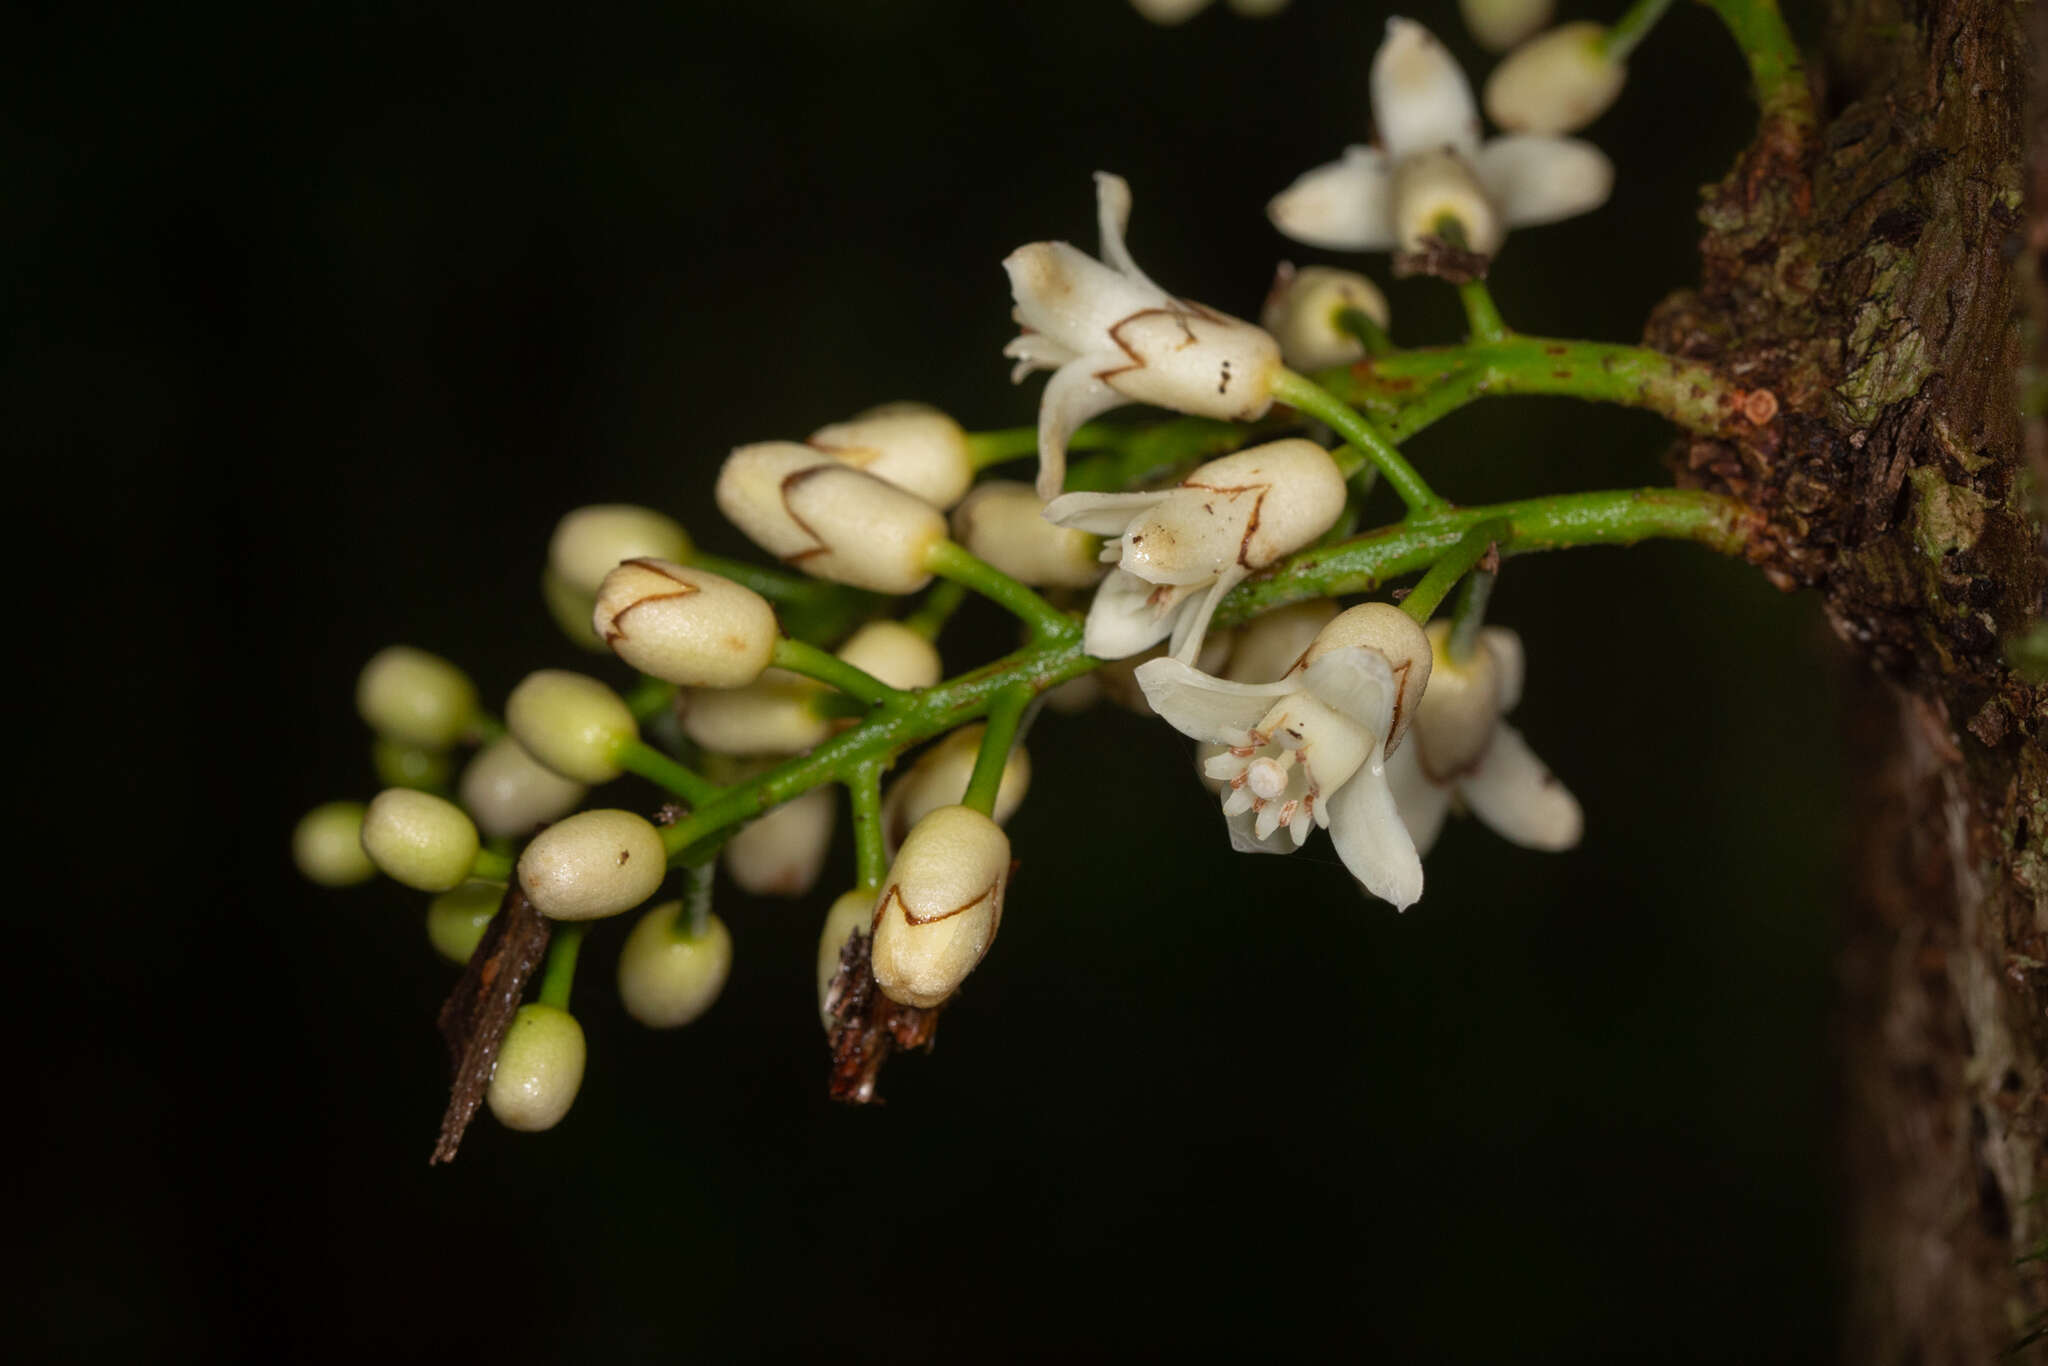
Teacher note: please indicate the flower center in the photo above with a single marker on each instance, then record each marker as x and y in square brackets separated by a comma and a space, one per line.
[1267, 777]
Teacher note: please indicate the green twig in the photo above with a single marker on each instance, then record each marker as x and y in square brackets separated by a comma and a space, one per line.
[1014, 443]
[1422, 600]
[696, 916]
[1635, 24]
[1776, 71]
[937, 609]
[1470, 613]
[649, 698]
[637, 756]
[830, 669]
[1370, 334]
[870, 854]
[1482, 315]
[994, 755]
[1305, 395]
[491, 865]
[950, 560]
[559, 974]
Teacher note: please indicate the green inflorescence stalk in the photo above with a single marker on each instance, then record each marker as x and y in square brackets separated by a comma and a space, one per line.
[1422, 601]
[831, 670]
[1304, 394]
[870, 855]
[558, 976]
[637, 756]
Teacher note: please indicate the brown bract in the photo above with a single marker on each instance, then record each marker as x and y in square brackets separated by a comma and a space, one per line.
[867, 1026]
[476, 1014]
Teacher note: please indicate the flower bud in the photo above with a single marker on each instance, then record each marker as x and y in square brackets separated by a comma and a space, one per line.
[508, 792]
[1557, 82]
[781, 852]
[1382, 626]
[592, 541]
[415, 698]
[775, 714]
[1168, 12]
[594, 864]
[853, 911]
[571, 723]
[419, 839]
[1436, 194]
[1301, 313]
[1455, 722]
[1267, 647]
[685, 625]
[327, 845]
[1498, 25]
[828, 519]
[571, 608]
[1004, 523]
[940, 776]
[669, 976]
[940, 905]
[540, 1069]
[911, 445]
[402, 765]
[456, 920]
[893, 653]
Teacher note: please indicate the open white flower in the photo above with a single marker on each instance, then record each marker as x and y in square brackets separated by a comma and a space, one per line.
[1110, 336]
[1310, 749]
[1461, 750]
[1179, 550]
[1431, 171]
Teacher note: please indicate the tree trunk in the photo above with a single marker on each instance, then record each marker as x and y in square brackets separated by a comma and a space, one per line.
[1867, 276]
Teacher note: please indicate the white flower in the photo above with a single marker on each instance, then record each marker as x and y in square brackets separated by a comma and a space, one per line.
[1460, 748]
[1167, 13]
[1110, 336]
[1179, 550]
[1557, 82]
[1430, 166]
[1310, 750]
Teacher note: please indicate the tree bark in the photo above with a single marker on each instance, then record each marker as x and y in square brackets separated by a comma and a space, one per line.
[1869, 270]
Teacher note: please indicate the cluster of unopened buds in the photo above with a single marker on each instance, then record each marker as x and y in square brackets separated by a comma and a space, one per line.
[759, 694]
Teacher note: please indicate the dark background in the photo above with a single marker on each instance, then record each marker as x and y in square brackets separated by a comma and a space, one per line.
[328, 312]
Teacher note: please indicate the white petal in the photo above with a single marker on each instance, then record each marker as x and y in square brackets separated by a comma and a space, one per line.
[1422, 804]
[1344, 205]
[1112, 216]
[1373, 842]
[1193, 621]
[1034, 351]
[1245, 840]
[1123, 620]
[1202, 707]
[1356, 681]
[1071, 297]
[1100, 514]
[1513, 792]
[1543, 179]
[1072, 396]
[1420, 97]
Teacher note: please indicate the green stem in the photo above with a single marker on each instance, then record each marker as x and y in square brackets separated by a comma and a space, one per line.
[1470, 614]
[1014, 443]
[1162, 452]
[1776, 70]
[1482, 315]
[637, 756]
[559, 974]
[696, 916]
[830, 669]
[937, 609]
[1003, 715]
[870, 854]
[1633, 26]
[1422, 601]
[649, 698]
[492, 865]
[1370, 334]
[950, 560]
[1305, 395]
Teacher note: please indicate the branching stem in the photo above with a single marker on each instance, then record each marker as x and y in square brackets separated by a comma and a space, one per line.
[1305, 395]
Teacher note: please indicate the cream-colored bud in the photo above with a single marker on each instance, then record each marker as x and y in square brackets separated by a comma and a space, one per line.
[775, 714]
[1267, 647]
[1437, 194]
[540, 1069]
[1302, 314]
[327, 845]
[1455, 722]
[829, 519]
[1074, 696]
[571, 607]
[594, 864]
[911, 445]
[419, 839]
[401, 765]
[940, 905]
[853, 911]
[895, 654]
[685, 625]
[509, 792]
[668, 976]
[940, 776]
[415, 698]
[592, 541]
[456, 920]
[1557, 82]
[1383, 627]
[781, 852]
[570, 722]
[1004, 523]
[1498, 25]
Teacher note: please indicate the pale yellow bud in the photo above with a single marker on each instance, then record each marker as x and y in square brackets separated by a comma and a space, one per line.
[1557, 82]
[1004, 523]
[570, 722]
[594, 864]
[1498, 25]
[415, 698]
[685, 625]
[1455, 722]
[775, 714]
[571, 607]
[1437, 194]
[402, 765]
[1268, 646]
[419, 839]
[1383, 627]
[540, 1069]
[893, 653]
[940, 776]
[940, 905]
[456, 920]
[592, 541]
[853, 911]
[327, 845]
[1302, 314]
[781, 852]
[669, 976]
[829, 519]
[509, 792]
[911, 445]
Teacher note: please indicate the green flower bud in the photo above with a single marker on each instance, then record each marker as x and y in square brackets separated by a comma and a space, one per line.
[327, 844]
[571, 607]
[853, 911]
[456, 920]
[668, 976]
[403, 765]
[570, 722]
[415, 698]
[540, 1069]
[592, 541]
[419, 839]
[509, 792]
[775, 714]
[594, 864]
